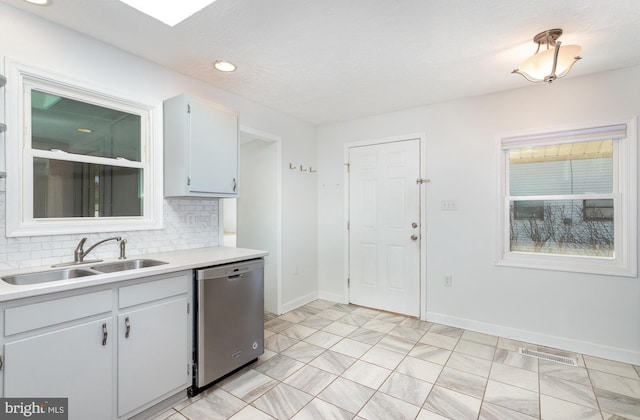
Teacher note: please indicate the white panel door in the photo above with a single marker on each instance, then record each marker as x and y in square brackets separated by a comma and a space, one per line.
[384, 233]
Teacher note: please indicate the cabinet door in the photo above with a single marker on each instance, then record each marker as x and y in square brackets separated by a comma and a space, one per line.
[213, 149]
[68, 363]
[153, 357]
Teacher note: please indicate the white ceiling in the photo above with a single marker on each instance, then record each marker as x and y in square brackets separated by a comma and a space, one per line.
[324, 61]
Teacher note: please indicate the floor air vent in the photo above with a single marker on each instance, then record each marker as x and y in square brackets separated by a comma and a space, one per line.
[550, 357]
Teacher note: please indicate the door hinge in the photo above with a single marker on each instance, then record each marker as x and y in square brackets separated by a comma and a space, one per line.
[188, 369]
[348, 165]
[188, 108]
[348, 225]
[1, 363]
[188, 180]
[188, 307]
[348, 281]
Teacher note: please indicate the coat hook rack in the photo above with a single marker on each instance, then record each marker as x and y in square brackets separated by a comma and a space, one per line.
[292, 167]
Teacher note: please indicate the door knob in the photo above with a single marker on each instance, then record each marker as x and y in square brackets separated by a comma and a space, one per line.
[414, 225]
[414, 237]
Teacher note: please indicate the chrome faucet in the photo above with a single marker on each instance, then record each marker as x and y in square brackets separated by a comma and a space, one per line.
[80, 253]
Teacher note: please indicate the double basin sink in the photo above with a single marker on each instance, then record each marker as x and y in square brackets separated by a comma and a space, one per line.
[76, 272]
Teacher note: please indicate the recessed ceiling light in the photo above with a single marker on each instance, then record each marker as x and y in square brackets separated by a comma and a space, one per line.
[170, 12]
[85, 130]
[39, 2]
[224, 66]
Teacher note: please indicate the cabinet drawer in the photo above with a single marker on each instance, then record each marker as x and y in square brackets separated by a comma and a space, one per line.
[52, 312]
[153, 290]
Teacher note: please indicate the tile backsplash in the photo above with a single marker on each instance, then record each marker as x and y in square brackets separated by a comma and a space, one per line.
[187, 224]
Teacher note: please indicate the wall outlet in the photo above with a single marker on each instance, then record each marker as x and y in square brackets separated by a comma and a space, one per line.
[447, 280]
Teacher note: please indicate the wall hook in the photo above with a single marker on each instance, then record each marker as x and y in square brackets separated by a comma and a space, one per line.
[312, 170]
[302, 169]
[292, 167]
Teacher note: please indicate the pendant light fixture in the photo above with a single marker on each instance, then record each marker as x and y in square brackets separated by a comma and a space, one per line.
[550, 62]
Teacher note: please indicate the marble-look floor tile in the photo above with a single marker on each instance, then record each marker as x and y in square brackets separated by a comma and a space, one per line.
[416, 324]
[610, 366]
[420, 369]
[382, 357]
[298, 332]
[217, 405]
[251, 413]
[366, 374]
[430, 353]
[331, 314]
[452, 404]
[512, 397]
[370, 313]
[380, 326]
[268, 333]
[268, 316]
[476, 337]
[166, 414]
[397, 344]
[279, 342]
[568, 391]
[409, 333]
[279, 367]
[283, 401]
[351, 348]
[295, 316]
[522, 378]
[323, 339]
[277, 325]
[406, 388]
[439, 340]
[575, 374]
[470, 364]
[620, 405]
[319, 409]
[316, 322]
[340, 328]
[303, 351]
[249, 385]
[353, 319]
[514, 345]
[310, 380]
[389, 317]
[515, 359]
[430, 415]
[385, 407]
[446, 330]
[475, 349]
[557, 409]
[491, 411]
[462, 382]
[347, 395]
[320, 304]
[637, 368]
[364, 335]
[344, 307]
[617, 384]
[333, 362]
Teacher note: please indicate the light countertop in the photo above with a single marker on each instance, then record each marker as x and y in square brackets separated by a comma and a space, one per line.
[187, 259]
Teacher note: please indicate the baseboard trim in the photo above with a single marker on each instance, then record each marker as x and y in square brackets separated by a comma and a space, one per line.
[584, 347]
[301, 301]
[332, 297]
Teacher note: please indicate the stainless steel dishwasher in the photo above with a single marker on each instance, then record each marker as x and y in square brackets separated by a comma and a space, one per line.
[229, 319]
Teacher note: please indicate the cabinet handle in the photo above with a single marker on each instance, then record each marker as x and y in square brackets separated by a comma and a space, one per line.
[127, 325]
[105, 334]
[235, 185]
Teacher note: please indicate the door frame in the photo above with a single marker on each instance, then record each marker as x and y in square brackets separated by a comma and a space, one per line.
[277, 260]
[423, 228]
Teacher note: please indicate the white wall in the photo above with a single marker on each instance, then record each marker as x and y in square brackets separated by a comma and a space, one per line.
[593, 314]
[34, 41]
[258, 210]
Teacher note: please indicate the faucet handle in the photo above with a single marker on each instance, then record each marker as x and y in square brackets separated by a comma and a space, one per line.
[123, 243]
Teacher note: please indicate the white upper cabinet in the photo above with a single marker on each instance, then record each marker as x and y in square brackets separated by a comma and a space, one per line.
[200, 149]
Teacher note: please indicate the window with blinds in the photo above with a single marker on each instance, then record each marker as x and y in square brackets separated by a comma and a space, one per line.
[566, 198]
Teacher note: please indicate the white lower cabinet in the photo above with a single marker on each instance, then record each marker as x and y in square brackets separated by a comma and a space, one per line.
[113, 352]
[153, 360]
[68, 363]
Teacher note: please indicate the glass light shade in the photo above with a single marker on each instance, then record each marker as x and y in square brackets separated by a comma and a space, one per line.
[538, 67]
[224, 66]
